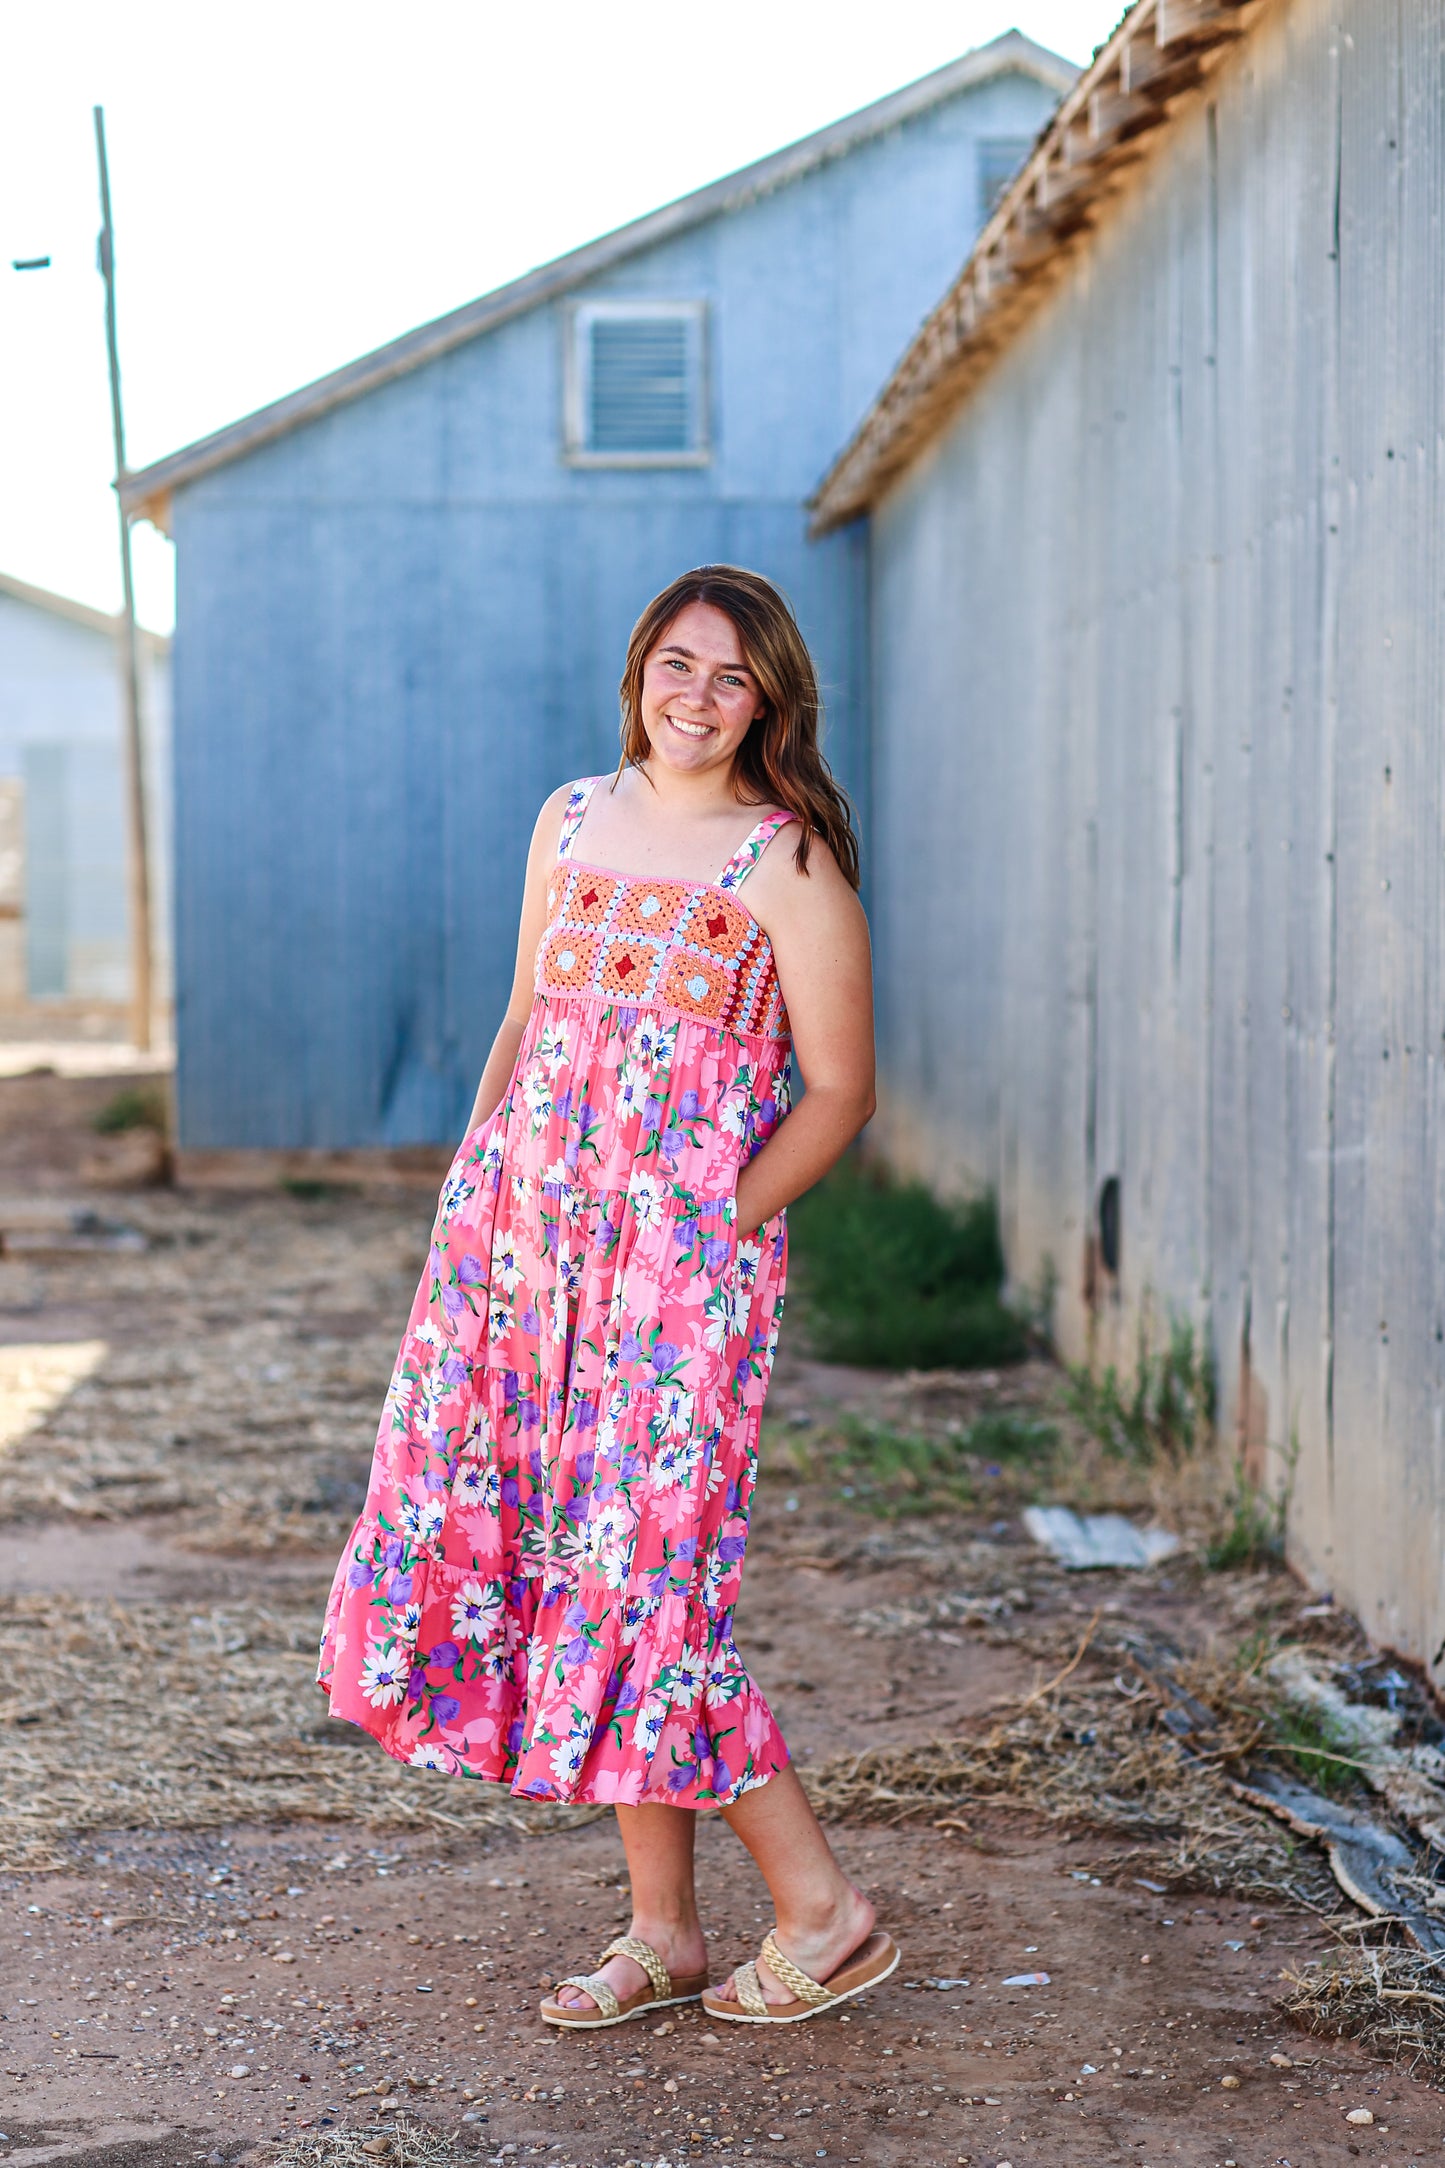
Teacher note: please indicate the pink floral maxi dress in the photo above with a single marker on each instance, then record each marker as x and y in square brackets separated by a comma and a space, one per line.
[540, 1590]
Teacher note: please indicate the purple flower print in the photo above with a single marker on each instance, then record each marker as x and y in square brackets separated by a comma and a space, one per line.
[576, 1613]
[393, 1552]
[681, 1778]
[435, 1479]
[722, 1778]
[445, 1656]
[683, 1231]
[358, 1575]
[415, 1683]
[715, 1252]
[626, 1016]
[437, 1262]
[530, 1320]
[629, 1347]
[606, 1233]
[516, 1732]
[577, 1651]
[664, 1354]
[516, 1590]
[552, 1596]
[511, 1491]
[731, 1548]
[701, 1744]
[687, 1549]
[510, 1382]
[534, 1463]
[454, 1370]
[398, 1588]
[768, 1113]
[556, 1402]
[671, 1143]
[571, 1155]
[584, 1414]
[651, 1112]
[741, 1371]
[471, 1271]
[730, 1497]
[563, 1109]
[689, 1106]
[585, 1464]
[529, 1415]
[453, 1301]
[446, 1708]
[629, 1697]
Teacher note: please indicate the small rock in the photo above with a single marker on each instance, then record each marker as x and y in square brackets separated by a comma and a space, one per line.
[709, 2040]
[1360, 2115]
[377, 2146]
[1282, 2062]
[544, 1979]
[660, 2032]
[284, 1957]
[243, 2070]
[1145, 1959]
[1230, 2084]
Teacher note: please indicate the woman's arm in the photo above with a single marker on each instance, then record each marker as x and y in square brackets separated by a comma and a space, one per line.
[820, 941]
[541, 857]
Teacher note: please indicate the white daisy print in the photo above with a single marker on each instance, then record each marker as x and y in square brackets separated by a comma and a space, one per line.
[384, 1675]
[476, 1610]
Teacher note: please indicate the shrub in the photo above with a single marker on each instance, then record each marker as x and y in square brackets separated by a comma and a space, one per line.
[139, 1106]
[894, 1279]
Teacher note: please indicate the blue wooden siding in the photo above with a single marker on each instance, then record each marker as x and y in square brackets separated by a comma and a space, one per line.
[401, 626]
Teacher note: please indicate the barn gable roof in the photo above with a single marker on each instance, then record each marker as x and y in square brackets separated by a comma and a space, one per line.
[147, 491]
[1162, 51]
[75, 613]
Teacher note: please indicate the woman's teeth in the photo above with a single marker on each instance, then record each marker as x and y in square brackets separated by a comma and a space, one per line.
[689, 730]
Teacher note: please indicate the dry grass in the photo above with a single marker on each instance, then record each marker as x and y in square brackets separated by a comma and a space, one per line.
[1387, 1995]
[405, 2145]
[145, 1716]
[1103, 1753]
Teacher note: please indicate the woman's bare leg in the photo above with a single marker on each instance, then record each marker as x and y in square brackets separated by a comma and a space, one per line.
[822, 1916]
[659, 1842]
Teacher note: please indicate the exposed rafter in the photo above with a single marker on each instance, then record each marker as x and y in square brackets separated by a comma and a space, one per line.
[1162, 51]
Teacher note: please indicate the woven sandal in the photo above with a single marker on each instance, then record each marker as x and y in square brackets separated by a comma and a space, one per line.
[870, 1963]
[661, 1990]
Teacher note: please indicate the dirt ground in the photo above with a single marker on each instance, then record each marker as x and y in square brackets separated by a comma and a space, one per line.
[229, 1928]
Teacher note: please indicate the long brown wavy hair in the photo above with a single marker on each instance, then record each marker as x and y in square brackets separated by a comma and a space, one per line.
[780, 762]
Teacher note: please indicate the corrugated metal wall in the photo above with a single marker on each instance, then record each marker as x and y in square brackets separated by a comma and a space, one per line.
[1159, 642]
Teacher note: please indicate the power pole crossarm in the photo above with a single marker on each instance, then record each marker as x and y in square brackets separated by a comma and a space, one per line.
[138, 860]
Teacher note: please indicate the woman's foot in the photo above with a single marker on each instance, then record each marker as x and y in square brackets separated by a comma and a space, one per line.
[818, 1947]
[682, 1950]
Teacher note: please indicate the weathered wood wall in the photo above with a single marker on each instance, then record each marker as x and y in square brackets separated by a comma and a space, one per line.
[1159, 651]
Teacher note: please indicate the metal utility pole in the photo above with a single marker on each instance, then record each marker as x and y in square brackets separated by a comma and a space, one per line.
[139, 884]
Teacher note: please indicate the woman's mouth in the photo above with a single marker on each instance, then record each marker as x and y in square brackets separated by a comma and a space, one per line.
[690, 730]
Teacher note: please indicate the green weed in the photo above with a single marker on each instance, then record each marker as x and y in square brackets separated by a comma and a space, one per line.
[138, 1106]
[1166, 1410]
[1253, 1532]
[894, 1279]
[310, 1189]
[899, 1474]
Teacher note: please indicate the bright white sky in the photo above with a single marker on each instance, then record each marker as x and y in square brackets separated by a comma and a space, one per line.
[296, 181]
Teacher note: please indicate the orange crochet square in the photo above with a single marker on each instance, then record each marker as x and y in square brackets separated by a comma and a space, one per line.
[714, 922]
[591, 897]
[628, 966]
[568, 960]
[697, 985]
[651, 907]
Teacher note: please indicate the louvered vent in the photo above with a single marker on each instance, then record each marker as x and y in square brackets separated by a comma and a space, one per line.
[640, 384]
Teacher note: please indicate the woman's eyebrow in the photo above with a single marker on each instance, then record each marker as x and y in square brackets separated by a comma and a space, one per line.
[739, 669]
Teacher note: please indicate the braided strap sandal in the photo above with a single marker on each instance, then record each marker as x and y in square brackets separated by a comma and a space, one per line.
[661, 1990]
[870, 1963]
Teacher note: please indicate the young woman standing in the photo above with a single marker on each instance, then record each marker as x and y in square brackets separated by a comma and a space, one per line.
[540, 1590]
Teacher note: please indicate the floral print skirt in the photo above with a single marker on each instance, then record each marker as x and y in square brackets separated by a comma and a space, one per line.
[540, 1589]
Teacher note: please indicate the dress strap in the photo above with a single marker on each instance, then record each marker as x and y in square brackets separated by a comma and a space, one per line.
[751, 849]
[579, 798]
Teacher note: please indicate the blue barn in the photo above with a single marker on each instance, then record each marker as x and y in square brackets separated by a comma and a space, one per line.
[403, 592]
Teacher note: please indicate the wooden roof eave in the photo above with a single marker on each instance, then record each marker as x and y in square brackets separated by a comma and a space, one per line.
[1161, 52]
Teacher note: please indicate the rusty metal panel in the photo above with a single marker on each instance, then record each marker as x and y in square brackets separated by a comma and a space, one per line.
[1159, 658]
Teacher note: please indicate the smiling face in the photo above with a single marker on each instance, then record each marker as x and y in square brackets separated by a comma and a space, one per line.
[699, 697]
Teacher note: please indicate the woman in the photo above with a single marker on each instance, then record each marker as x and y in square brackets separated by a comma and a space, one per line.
[541, 1588]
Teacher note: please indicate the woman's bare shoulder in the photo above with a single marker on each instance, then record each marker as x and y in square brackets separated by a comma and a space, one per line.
[779, 888]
